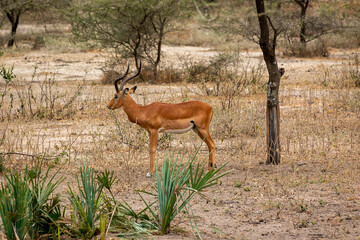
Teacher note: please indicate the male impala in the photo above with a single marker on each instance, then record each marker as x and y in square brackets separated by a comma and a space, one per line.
[164, 118]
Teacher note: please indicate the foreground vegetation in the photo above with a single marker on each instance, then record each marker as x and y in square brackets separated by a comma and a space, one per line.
[30, 208]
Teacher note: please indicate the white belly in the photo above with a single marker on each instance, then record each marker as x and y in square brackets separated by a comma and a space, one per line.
[177, 131]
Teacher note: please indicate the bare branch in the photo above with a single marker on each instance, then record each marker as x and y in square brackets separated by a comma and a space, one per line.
[29, 155]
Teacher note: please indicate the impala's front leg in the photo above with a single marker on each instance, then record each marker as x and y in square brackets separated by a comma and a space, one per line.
[153, 134]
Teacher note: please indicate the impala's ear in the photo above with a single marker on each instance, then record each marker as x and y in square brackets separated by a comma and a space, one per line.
[133, 89]
[125, 92]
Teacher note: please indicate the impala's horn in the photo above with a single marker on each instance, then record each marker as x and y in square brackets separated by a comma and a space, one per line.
[118, 79]
[129, 78]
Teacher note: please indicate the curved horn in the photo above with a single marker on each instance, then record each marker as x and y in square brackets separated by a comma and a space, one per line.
[129, 78]
[118, 79]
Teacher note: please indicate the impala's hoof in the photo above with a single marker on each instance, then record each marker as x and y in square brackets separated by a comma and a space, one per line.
[148, 175]
[211, 165]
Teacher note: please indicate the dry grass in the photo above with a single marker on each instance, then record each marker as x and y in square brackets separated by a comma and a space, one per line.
[345, 76]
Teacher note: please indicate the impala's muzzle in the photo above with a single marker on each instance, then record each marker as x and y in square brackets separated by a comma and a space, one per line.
[110, 106]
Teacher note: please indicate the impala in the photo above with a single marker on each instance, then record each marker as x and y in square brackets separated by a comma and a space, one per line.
[159, 117]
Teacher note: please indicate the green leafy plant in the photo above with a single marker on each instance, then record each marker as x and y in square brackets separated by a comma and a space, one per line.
[176, 186]
[8, 75]
[14, 199]
[93, 209]
[45, 213]
[107, 179]
[87, 204]
[27, 204]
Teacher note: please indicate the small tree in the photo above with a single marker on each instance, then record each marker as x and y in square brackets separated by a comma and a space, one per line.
[267, 41]
[13, 9]
[324, 18]
[133, 28]
[164, 13]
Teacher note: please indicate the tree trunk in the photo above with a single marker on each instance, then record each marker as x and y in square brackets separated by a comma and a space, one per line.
[158, 51]
[272, 103]
[135, 51]
[160, 34]
[273, 130]
[14, 20]
[303, 24]
[158, 58]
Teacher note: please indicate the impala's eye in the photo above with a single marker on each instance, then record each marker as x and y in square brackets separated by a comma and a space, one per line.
[116, 96]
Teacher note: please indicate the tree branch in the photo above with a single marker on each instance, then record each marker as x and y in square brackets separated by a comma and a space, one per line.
[29, 155]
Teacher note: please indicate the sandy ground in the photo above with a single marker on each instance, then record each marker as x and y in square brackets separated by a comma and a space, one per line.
[310, 196]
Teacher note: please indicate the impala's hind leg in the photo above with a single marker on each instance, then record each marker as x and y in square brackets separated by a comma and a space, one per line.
[204, 135]
[153, 134]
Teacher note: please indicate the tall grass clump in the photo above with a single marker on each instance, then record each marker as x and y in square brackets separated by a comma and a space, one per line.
[14, 201]
[27, 204]
[96, 213]
[177, 184]
[87, 204]
[45, 213]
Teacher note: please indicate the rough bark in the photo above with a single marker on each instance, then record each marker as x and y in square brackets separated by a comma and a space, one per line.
[272, 103]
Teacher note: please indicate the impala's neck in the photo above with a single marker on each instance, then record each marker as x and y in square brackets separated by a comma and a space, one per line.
[132, 109]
